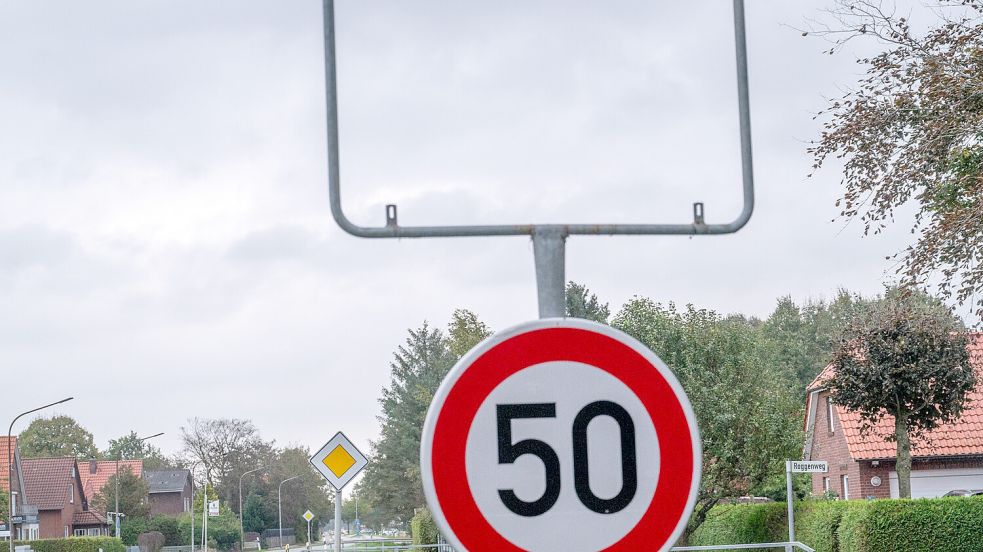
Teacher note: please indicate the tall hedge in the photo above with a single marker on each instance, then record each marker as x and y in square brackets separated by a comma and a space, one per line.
[818, 521]
[742, 524]
[952, 524]
[423, 527]
[923, 525]
[75, 544]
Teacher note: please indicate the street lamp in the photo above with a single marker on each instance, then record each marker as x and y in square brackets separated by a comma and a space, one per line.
[242, 532]
[279, 506]
[10, 473]
[119, 453]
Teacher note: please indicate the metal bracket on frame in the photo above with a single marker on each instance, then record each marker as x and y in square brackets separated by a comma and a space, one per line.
[549, 240]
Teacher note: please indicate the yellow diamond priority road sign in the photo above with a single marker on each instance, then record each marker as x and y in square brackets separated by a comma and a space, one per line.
[339, 461]
[308, 516]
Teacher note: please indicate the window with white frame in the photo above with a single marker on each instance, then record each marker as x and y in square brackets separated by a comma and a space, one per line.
[845, 481]
[187, 504]
[71, 493]
[826, 485]
[829, 414]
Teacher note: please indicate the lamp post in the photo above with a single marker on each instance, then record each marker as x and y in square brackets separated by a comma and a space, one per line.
[242, 532]
[192, 508]
[116, 477]
[10, 473]
[279, 506]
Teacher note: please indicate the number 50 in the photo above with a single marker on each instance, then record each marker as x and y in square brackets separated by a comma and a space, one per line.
[509, 452]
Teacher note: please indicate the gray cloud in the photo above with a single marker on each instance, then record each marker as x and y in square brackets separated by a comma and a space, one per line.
[164, 204]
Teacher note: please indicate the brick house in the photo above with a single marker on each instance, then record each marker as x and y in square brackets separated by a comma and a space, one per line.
[946, 459]
[170, 491]
[27, 528]
[96, 473]
[54, 487]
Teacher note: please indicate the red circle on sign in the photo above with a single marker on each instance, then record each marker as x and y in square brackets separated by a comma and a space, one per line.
[676, 431]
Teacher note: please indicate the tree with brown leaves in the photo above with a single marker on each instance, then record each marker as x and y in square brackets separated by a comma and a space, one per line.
[911, 132]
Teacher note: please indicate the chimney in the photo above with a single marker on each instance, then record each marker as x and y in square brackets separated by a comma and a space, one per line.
[93, 465]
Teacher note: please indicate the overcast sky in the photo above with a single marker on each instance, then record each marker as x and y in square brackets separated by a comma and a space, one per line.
[166, 248]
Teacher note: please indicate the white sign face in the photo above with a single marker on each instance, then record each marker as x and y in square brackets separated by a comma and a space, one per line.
[798, 466]
[308, 516]
[212, 508]
[561, 434]
[339, 461]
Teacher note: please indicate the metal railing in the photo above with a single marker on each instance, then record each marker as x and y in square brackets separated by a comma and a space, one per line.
[788, 546]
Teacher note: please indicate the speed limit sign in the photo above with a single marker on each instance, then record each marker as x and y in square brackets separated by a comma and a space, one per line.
[560, 434]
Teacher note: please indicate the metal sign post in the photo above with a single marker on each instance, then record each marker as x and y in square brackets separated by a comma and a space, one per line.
[337, 520]
[798, 466]
[549, 240]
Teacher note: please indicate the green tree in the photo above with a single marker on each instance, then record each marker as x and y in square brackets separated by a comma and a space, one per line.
[4, 505]
[464, 332]
[909, 134]
[392, 480]
[132, 495]
[748, 410]
[256, 516]
[57, 436]
[801, 339]
[581, 303]
[309, 492]
[903, 360]
[130, 447]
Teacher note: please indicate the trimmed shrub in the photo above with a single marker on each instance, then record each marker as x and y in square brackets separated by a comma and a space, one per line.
[923, 525]
[742, 524]
[423, 527]
[817, 523]
[75, 544]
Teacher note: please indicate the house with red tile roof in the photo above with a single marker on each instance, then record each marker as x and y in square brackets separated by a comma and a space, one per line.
[96, 473]
[54, 487]
[949, 458]
[27, 528]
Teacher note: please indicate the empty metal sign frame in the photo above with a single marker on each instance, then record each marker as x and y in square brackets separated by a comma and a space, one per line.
[548, 239]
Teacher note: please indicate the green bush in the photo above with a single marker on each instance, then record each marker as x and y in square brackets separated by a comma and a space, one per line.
[850, 534]
[75, 544]
[923, 525]
[423, 527]
[816, 522]
[170, 528]
[131, 528]
[742, 524]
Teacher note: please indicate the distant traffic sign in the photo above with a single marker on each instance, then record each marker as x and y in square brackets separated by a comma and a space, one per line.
[308, 516]
[339, 461]
[798, 466]
[213, 508]
[561, 434]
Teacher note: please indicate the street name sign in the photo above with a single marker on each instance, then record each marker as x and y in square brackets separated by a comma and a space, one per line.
[798, 466]
[308, 516]
[560, 434]
[339, 461]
